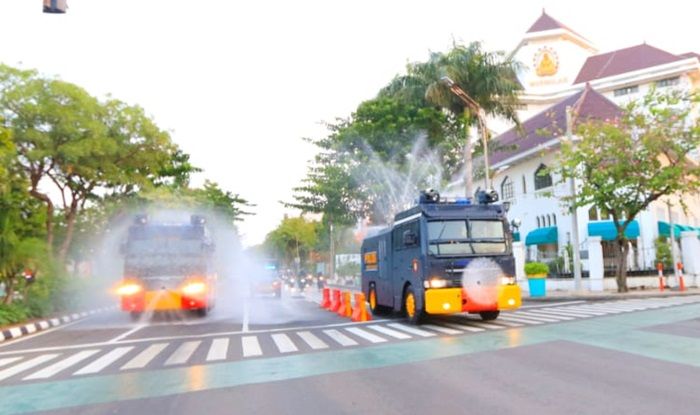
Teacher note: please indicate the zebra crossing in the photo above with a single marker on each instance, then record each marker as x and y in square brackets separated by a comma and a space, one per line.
[126, 356]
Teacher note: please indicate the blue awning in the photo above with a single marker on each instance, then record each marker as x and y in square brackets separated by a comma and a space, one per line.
[516, 236]
[608, 232]
[665, 227]
[542, 236]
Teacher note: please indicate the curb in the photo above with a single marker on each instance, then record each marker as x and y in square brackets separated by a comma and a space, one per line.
[601, 297]
[26, 329]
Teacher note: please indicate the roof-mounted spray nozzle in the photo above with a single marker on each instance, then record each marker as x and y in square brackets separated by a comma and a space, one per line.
[429, 196]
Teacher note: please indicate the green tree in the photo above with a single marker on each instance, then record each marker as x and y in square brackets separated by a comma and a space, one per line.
[624, 165]
[83, 146]
[293, 240]
[489, 82]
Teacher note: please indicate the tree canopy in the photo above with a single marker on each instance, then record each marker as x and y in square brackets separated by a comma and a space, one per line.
[625, 164]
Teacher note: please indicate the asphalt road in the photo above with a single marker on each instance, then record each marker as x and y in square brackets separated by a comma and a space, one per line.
[264, 355]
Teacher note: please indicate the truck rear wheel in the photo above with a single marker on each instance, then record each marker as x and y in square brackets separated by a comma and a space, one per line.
[489, 315]
[414, 313]
[373, 305]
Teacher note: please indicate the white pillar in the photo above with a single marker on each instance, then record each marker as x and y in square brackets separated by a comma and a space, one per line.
[690, 251]
[519, 255]
[595, 263]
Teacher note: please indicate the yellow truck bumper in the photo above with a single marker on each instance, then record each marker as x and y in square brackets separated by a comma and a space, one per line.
[163, 300]
[450, 300]
[509, 297]
[443, 300]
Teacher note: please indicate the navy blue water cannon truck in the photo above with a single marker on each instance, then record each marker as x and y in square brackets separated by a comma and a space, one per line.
[442, 257]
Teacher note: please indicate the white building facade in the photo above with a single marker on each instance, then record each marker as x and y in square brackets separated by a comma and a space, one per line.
[563, 69]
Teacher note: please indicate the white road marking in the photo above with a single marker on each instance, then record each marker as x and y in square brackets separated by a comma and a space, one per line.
[44, 325]
[340, 338]
[41, 333]
[524, 320]
[183, 353]
[551, 304]
[127, 333]
[104, 361]
[590, 309]
[313, 341]
[557, 313]
[15, 332]
[500, 322]
[489, 325]
[246, 316]
[145, 357]
[284, 343]
[389, 332]
[218, 349]
[167, 338]
[441, 329]
[6, 361]
[26, 365]
[412, 330]
[53, 369]
[31, 328]
[251, 346]
[586, 313]
[536, 317]
[365, 335]
[539, 315]
[463, 327]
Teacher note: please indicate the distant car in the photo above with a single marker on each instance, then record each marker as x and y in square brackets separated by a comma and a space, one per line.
[266, 285]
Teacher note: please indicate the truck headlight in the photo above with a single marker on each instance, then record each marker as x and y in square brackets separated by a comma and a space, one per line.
[129, 288]
[194, 288]
[507, 280]
[435, 283]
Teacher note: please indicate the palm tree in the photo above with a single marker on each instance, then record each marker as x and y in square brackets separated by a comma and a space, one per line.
[488, 80]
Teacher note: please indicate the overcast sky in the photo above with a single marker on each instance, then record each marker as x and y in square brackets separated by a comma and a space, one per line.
[239, 83]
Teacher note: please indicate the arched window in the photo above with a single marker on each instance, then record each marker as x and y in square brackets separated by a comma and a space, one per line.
[542, 178]
[554, 219]
[507, 189]
[538, 222]
[549, 220]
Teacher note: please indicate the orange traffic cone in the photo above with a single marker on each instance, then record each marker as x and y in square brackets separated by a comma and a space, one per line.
[345, 308]
[335, 303]
[326, 302]
[681, 283]
[360, 312]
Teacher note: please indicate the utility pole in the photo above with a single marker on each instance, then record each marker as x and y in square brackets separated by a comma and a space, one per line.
[574, 213]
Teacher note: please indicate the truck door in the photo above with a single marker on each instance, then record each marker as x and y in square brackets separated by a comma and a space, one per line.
[406, 254]
[385, 291]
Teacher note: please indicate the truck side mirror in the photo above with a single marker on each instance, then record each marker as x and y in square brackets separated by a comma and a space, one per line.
[409, 238]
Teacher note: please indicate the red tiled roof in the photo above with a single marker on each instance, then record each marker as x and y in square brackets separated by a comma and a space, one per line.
[623, 60]
[547, 22]
[545, 126]
[689, 55]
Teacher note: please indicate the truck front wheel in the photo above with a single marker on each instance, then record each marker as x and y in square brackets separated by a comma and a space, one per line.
[410, 306]
[489, 315]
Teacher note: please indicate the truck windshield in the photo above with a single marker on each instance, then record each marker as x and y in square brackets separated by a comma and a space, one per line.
[461, 237]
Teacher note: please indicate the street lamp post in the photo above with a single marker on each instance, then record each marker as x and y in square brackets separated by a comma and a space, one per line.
[476, 109]
[574, 211]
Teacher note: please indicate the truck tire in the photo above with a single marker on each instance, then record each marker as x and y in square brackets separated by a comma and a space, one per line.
[135, 315]
[413, 312]
[202, 312]
[373, 306]
[489, 315]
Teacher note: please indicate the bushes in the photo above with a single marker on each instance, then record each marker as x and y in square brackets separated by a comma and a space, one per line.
[535, 268]
[13, 313]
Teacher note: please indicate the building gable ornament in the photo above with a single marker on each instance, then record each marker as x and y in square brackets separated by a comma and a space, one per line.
[546, 61]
